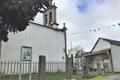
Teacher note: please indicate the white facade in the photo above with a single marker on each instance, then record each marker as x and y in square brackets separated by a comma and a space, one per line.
[101, 45]
[114, 54]
[115, 50]
[43, 40]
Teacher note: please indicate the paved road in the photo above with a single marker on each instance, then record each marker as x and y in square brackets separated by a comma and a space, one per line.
[115, 77]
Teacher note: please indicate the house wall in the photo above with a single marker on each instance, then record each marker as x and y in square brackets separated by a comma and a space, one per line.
[101, 45]
[115, 52]
[44, 41]
[94, 60]
[101, 59]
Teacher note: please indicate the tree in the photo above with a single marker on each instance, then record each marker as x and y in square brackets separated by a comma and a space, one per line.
[16, 14]
[76, 51]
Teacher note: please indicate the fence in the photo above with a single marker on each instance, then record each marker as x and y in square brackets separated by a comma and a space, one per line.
[9, 70]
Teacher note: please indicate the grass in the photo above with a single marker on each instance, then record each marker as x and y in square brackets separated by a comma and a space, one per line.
[59, 76]
[55, 76]
[99, 78]
[49, 76]
[96, 77]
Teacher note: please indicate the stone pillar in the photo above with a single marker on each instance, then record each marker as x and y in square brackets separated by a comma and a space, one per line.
[98, 66]
[70, 69]
[0, 48]
[41, 68]
[85, 67]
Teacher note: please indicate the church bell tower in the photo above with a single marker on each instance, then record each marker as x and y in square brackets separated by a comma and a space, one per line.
[49, 15]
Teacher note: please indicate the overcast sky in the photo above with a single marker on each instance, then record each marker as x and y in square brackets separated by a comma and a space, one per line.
[87, 20]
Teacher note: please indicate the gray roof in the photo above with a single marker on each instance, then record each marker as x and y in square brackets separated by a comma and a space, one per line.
[114, 42]
[97, 52]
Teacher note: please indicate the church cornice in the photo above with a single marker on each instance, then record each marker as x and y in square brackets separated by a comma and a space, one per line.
[41, 25]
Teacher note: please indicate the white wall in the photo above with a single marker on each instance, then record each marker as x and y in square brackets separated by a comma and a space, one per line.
[101, 45]
[115, 50]
[44, 41]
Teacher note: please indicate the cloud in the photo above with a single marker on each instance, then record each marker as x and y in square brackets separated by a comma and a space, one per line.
[83, 5]
[85, 15]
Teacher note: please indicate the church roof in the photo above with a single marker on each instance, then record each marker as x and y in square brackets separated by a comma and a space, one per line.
[56, 29]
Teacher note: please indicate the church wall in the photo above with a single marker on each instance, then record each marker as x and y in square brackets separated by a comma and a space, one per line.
[44, 41]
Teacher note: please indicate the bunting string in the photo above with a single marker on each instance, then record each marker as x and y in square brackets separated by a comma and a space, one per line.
[96, 29]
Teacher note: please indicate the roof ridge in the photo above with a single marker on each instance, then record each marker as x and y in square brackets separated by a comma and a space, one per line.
[114, 42]
[109, 39]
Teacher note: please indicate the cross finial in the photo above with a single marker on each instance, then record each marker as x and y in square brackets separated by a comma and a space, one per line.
[54, 4]
[64, 24]
[64, 27]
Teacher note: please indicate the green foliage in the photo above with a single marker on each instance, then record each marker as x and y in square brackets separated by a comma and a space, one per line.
[16, 14]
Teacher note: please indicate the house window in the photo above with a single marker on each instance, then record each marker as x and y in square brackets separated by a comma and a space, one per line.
[46, 19]
[50, 17]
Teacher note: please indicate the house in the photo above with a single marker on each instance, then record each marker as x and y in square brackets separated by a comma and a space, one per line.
[105, 55]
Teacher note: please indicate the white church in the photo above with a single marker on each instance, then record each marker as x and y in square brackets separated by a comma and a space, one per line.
[45, 39]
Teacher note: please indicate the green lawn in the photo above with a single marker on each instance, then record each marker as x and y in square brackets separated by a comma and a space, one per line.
[96, 77]
[55, 76]
[58, 76]
[49, 76]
